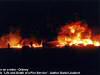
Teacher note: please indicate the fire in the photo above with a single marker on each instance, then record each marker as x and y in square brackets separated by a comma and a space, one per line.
[14, 40]
[37, 45]
[72, 34]
[77, 34]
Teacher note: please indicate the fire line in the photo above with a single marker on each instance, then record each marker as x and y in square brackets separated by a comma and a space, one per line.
[72, 34]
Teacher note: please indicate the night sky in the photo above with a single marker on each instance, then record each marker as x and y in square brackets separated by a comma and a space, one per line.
[43, 19]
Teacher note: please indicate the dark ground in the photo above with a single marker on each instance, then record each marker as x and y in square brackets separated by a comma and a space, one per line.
[52, 59]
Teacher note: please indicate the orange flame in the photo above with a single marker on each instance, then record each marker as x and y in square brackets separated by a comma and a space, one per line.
[14, 40]
[37, 45]
[72, 34]
[77, 34]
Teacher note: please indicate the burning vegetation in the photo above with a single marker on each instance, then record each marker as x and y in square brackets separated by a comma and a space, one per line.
[72, 34]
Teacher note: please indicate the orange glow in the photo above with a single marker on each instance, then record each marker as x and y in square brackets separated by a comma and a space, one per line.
[14, 40]
[16, 46]
[77, 34]
[37, 45]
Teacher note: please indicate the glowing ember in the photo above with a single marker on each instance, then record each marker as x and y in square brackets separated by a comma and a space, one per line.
[16, 46]
[36, 45]
[77, 34]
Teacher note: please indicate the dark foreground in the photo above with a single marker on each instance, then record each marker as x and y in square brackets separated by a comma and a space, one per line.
[52, 59]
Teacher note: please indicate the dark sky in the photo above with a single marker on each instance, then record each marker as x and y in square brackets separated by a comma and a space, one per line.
[43, 18]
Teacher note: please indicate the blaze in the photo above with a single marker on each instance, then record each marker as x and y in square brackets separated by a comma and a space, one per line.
[72, 34]
[77, 34]
[15, 40]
